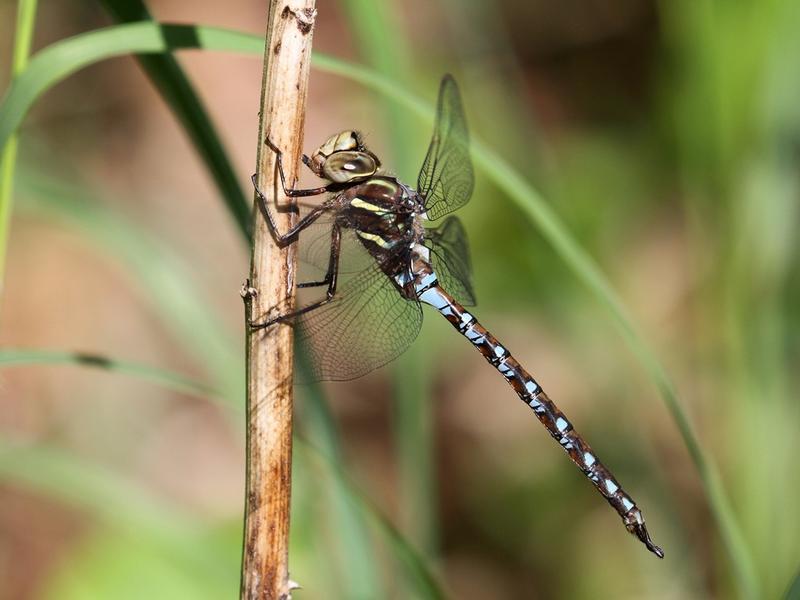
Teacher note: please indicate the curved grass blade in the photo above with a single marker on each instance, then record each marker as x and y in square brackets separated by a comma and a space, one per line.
[793, 593]
[26, 17]
[424, 581]
[174, 86]
[109, 562]
[104, 494]
[412, 416]
[54, 472]
[165, 277]
[359, 569]
[23, 357]
[65, 57]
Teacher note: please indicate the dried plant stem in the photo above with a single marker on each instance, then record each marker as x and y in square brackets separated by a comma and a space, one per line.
[287, 56]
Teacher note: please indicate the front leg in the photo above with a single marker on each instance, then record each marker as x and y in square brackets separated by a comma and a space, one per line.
[282, 239]
[293, 192]
[263, 205]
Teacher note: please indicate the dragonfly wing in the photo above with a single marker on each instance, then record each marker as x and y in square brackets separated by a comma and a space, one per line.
[365, 326]
[314, 251]
[451, 259]
[446, 178]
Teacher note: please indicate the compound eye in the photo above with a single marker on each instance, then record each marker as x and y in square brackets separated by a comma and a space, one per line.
[346, 166]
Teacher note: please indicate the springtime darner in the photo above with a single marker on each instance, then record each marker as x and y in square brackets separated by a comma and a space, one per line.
[403, 264]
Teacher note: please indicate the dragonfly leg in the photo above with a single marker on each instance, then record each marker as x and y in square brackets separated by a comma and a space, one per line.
[333, 263]
[293, 192]
[285, 238]
[310, 284]
[331, 278]
[288, 237]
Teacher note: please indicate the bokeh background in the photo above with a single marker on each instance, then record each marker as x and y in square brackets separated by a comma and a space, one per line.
[663, 135]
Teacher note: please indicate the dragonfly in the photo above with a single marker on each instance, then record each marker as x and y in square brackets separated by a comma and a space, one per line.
[380, 259]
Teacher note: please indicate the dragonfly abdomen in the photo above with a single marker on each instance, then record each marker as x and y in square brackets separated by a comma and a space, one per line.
[545, 409]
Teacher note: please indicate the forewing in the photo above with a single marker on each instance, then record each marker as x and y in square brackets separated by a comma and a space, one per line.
[451, 259]
[365, 326]
[446, 178]
[314, 251]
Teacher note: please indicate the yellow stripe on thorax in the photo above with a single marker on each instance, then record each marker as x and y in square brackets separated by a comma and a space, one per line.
[375, 238]
[368, 206]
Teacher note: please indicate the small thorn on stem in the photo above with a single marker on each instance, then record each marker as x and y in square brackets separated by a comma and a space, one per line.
[247, 292]
[291, 587]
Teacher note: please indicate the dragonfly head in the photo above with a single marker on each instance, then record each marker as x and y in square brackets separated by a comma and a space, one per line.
[343, 158]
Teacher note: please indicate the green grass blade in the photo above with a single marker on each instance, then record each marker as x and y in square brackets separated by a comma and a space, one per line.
[23, 357]
[8, 163]
[26, 18]
[166, 279]
[369, 21]
[115, 500]
[109, 562]
[413, 409]
[424, 582]
[65, 57]
[793, 593]
[358, 567]
[98, 490]
[174, 86]
[413, 427]
[419, 576]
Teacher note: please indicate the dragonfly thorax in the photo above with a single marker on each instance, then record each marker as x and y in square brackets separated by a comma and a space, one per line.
[384, 214]
[344, 158]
